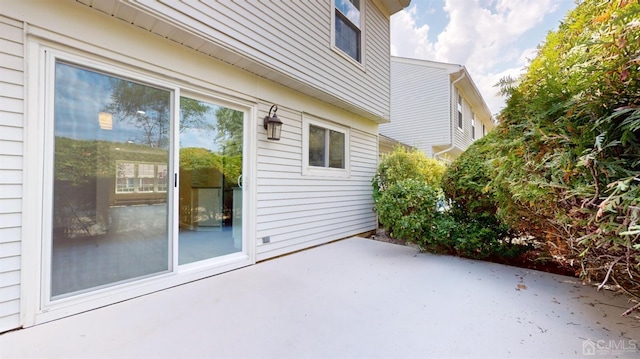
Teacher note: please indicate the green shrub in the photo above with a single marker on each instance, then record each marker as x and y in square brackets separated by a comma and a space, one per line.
[479, 232]
[466, 180]
[404, 164]
[409, 202]
[408, 208]
[566, 158]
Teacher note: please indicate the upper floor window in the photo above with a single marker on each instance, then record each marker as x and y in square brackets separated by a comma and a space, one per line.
[326, 148]
[473, 126]
[484, 130]
[348, 27]
[459, 111]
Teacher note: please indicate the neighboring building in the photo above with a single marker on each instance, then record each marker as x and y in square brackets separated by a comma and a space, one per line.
[435, 107]
[133, 156]
[387, 144]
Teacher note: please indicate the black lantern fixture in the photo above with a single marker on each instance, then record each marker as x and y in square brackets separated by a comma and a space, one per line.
[273, 125]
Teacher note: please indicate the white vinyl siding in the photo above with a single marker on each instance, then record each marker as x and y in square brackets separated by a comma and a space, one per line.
[296, 211]
[462, 136]
[11, 137]
[299, 48]
[420, 109]
[425, 98]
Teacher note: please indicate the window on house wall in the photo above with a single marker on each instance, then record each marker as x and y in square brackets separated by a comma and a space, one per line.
[459, 111]
[348, 28]
[484, 130]
[473, 126]
[325, 147]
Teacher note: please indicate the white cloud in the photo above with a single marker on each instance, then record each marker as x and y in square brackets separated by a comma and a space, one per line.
[527, 55]
[486, 84]
[408, 39]
[481, 35]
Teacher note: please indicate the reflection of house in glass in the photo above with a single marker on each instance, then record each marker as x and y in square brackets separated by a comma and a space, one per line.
[124, 174]
[120, 180]
[115, 194]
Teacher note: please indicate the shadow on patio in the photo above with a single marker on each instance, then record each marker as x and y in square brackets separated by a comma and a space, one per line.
[352, 298]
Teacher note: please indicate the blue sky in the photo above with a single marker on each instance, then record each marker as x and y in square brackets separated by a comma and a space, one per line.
[491, 38]
[81, 94]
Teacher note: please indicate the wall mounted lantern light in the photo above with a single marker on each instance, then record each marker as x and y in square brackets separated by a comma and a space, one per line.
[273, 125]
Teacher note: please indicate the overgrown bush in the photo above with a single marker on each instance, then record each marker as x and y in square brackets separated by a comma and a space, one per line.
[466, 180]
[564, 165]
[408, 210]
[410, 205]
[478, 233]
[403, 164]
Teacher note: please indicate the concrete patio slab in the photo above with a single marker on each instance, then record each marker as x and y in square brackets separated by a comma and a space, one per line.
[355, 298]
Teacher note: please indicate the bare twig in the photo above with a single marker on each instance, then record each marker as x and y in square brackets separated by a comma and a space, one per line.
[628, 311]
[606, 278]
[596, 182]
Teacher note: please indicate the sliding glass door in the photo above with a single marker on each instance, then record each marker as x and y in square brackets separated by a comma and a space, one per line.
[124, 198]
[210, 194]
[111, 155]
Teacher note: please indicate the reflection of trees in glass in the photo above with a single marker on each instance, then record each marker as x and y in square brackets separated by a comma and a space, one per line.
[316, 146]
[195, 158]
[84, 181]
[318, 151]
[229, 134]
[149, 109]
[336, 149]
[229, 137]
[81, 161]
[193, 114]
[145, 107]
[225, 132]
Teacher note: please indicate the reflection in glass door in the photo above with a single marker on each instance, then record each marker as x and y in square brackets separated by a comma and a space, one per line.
[109, 220]
[210, 193]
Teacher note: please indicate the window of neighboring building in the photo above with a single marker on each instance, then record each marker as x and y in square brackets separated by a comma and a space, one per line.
[484, 130]
[161, 178]
[348, 27]
[146, 177]
[459, 111]
[140, 177]
[473, 126]
[326, 148]
[125, 174]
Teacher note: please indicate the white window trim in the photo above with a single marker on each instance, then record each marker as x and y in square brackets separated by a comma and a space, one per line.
[473, 125]
[460, 112]
[308, 170]
[336, 49]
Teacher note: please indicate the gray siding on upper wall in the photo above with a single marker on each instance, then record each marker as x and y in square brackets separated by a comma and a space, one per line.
[298, 211]
[299, 47]
[462, 138]
[419, 106]
[11, 152]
